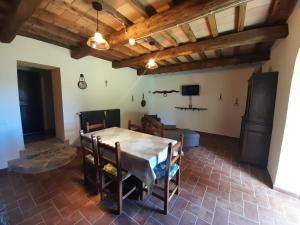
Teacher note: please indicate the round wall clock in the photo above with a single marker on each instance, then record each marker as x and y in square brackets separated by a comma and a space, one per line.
[81, 83]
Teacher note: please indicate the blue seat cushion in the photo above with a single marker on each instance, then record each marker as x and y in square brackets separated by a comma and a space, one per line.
[160, 170]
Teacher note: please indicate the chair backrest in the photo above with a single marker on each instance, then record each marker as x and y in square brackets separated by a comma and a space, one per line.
[134, 127]
[88, 146]
[171, 159]
[96, 126]
[110, 154]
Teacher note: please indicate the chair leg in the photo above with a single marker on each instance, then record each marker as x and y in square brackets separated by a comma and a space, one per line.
[166, 197]
[101, 184]
[120, 195]
[178, 182]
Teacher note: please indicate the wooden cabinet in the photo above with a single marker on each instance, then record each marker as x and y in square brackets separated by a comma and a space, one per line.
[257, 123]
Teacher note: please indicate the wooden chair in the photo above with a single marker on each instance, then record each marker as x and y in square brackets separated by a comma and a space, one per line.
[167, 171]
[134, 127]
[96, 126]
[90, 161]
[111, 172]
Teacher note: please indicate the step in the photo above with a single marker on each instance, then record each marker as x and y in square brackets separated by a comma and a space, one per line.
[43, 162]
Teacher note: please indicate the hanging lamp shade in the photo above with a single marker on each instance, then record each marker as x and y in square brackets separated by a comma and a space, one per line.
[97, 41]
[151, 64]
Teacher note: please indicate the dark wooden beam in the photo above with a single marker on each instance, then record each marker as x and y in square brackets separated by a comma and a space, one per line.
[280, 10]
[16, 18]
[253, 36]
[210, 63]
[180, 13]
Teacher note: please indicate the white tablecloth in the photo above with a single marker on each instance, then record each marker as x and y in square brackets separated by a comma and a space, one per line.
[140, 152]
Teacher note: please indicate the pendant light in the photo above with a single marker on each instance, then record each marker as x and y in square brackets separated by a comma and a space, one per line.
[97, 41]
[151, 64]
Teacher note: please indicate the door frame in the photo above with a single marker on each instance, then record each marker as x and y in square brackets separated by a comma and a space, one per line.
[57, 95]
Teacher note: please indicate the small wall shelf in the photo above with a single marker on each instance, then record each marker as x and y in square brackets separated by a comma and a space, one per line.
[193, 108]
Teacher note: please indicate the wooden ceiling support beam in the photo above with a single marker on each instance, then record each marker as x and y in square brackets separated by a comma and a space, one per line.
[186, 28]
[180, 13]
[210, 63]
[253, 36]
[16, 18]
[280, 11]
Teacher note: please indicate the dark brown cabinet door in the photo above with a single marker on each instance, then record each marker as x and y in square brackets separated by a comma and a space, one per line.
[256, 129]
[30, 102]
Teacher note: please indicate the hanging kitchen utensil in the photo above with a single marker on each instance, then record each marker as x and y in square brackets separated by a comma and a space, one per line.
[143, 103]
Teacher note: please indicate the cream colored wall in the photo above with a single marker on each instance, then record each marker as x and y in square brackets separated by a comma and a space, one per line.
[222, 117]
[122, 84]
[283, 57]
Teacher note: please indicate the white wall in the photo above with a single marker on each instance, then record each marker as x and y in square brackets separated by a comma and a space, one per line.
[283, 57]
[222, 117]
[122, 84]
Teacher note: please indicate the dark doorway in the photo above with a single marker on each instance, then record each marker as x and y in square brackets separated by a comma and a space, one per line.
[36, 104]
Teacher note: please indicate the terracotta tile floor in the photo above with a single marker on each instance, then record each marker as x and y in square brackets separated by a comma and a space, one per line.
[216, 189]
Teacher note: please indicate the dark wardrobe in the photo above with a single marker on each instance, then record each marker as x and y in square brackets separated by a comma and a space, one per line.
[257, 123]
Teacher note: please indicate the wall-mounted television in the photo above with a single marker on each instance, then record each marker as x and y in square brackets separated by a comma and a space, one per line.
[190, 90]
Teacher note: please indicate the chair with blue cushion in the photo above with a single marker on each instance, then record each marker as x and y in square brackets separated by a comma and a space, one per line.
[90, 161]
[169, 171]
[111, 173]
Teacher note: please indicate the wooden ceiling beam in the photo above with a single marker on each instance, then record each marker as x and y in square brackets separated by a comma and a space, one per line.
[186, 28]
[16, 18]
[253, 36]
[280, 11]
[212, 26]
[241, 16]
[180, 13]
[189, 58]
[115, 13]
[145, 11]
[210, 63]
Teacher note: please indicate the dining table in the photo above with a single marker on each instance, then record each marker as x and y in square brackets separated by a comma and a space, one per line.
[140, 152]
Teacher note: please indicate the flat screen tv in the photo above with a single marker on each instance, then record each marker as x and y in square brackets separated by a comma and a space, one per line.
[190, 90]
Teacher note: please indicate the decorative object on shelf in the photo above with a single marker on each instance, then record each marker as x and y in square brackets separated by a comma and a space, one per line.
[164, 92]
[97, 41]
[106, 82]
[221, 97]
[143, 102]
[81, 83]
[191, 108]
[236, 103]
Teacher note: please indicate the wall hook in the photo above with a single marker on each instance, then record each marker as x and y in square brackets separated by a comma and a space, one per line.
[236, 103]
[221, 97]
[106, 82]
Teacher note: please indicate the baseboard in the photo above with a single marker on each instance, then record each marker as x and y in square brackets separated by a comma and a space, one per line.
[218, 135]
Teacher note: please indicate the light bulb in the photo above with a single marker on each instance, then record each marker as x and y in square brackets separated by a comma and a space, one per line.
[131, 41]
[151, 64]
[98, 37]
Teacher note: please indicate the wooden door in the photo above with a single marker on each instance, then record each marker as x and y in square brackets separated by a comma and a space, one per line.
[30, 102]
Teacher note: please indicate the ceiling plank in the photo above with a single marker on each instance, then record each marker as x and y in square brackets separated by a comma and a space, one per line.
[186, 28]
[67, 6]
[210, 63]
[169, 38]
[47, 16]
[145, 11]
[42, 25]
[115, 13]
[189, 58]
[280, 10]
[16, 18]
[178, 14]
[247, 37]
